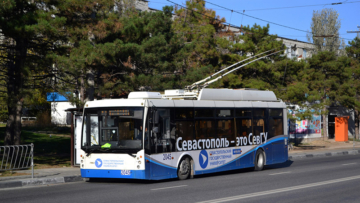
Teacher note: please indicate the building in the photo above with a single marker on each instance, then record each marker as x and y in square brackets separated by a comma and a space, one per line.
[59, 104]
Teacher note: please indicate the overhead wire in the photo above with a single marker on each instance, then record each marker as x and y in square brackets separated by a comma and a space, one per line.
[232, 25]
[330, 4]
[265, 20]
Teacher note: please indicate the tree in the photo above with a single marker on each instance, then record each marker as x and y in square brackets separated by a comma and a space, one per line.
[30, 33]
[259, 74]
[202, 35]
[87, 26]
[325, 27]
[352, 100]
[324, 75]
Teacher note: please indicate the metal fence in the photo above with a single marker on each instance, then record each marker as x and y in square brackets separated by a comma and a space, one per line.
[15, 157]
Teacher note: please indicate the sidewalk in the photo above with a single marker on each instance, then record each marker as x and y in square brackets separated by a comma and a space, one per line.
[42, 177]
[72, 174]
[320, 148]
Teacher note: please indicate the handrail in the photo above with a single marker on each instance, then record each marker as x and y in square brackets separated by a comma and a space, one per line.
[15, 157]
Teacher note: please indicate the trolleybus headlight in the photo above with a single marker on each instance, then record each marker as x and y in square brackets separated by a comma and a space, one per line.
[138, 166]
[139, 162]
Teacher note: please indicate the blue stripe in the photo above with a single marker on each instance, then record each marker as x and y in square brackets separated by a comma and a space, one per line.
[247, 153]
[155, 162]
[101, 173]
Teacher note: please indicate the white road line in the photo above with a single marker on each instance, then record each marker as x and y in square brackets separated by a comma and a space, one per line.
[269, 192]
[279, 173]
[169, 187]
[348, 164]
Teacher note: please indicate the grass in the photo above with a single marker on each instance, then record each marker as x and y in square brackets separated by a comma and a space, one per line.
[356, 140]
[49, 152]
[11, 173]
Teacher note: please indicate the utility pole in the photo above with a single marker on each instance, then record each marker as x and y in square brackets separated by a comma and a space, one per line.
[358, 32]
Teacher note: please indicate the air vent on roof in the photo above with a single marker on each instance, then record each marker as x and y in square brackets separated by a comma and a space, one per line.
[144, 95]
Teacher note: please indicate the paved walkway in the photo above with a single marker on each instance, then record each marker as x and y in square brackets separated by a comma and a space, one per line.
[72, 174]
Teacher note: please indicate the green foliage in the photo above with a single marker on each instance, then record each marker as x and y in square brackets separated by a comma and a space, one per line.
[54, 150]
[263, 74]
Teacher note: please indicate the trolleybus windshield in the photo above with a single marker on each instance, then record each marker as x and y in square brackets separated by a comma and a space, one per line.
[113, 129]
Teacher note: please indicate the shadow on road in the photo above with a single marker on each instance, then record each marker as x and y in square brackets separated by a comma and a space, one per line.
[237, 171]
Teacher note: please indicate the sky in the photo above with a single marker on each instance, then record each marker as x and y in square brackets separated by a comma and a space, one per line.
[298, 17]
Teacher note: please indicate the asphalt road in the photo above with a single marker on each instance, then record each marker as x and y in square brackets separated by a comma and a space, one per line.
[331, 179]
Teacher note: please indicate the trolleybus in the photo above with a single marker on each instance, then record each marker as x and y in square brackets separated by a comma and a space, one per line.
[179, 134]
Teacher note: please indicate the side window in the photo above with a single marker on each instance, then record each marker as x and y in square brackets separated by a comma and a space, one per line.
[205, 128]
[161, 138]
[184, 124]
[204, 123]
[259, 122]
[225, 125]
[275, 123]
[243, 124]
[225, 129]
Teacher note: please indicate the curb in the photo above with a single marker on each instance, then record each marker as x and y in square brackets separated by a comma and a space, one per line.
[325, 154]
[40, 181]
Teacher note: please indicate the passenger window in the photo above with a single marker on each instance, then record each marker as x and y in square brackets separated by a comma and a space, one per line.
[225, 129]
[161, 139]
[259, 112]
[258, 126]
[204, 113]
[224, 113]
[184, 113]
[243, 113]
[205, 129]
[275, 123]
[184, 129]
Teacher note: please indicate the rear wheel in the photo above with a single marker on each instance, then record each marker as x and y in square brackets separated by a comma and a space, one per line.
[259, 160]
[184, 169]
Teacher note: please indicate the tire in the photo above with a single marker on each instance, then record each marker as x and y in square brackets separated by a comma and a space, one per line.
[184, 169]
[259, 160]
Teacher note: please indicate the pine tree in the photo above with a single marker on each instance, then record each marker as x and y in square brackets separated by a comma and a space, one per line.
[352, 100]
[323, 75]
[30, 33]
[259, 74]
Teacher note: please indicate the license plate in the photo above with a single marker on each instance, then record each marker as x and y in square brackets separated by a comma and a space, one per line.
[125, 172]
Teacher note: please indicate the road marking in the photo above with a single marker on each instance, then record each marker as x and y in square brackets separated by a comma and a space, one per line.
[169, 187]
[348, 164]
[279, 173]
[269, 192]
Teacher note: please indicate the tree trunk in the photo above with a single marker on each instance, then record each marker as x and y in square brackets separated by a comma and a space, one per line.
[357, 124]
[325, 137]
[325, 130]
[17, 57]
[82, 88]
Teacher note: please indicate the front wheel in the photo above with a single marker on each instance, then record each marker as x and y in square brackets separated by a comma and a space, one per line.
[259, 160]
[184, 169]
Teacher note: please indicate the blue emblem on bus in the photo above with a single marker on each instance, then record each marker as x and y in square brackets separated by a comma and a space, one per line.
[237, 151]
[203, 159]
[98, 163]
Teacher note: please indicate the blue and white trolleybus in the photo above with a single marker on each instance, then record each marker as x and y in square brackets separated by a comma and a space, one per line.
[182, 133]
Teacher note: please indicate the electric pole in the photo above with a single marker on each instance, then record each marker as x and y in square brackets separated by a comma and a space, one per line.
[358, 32]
